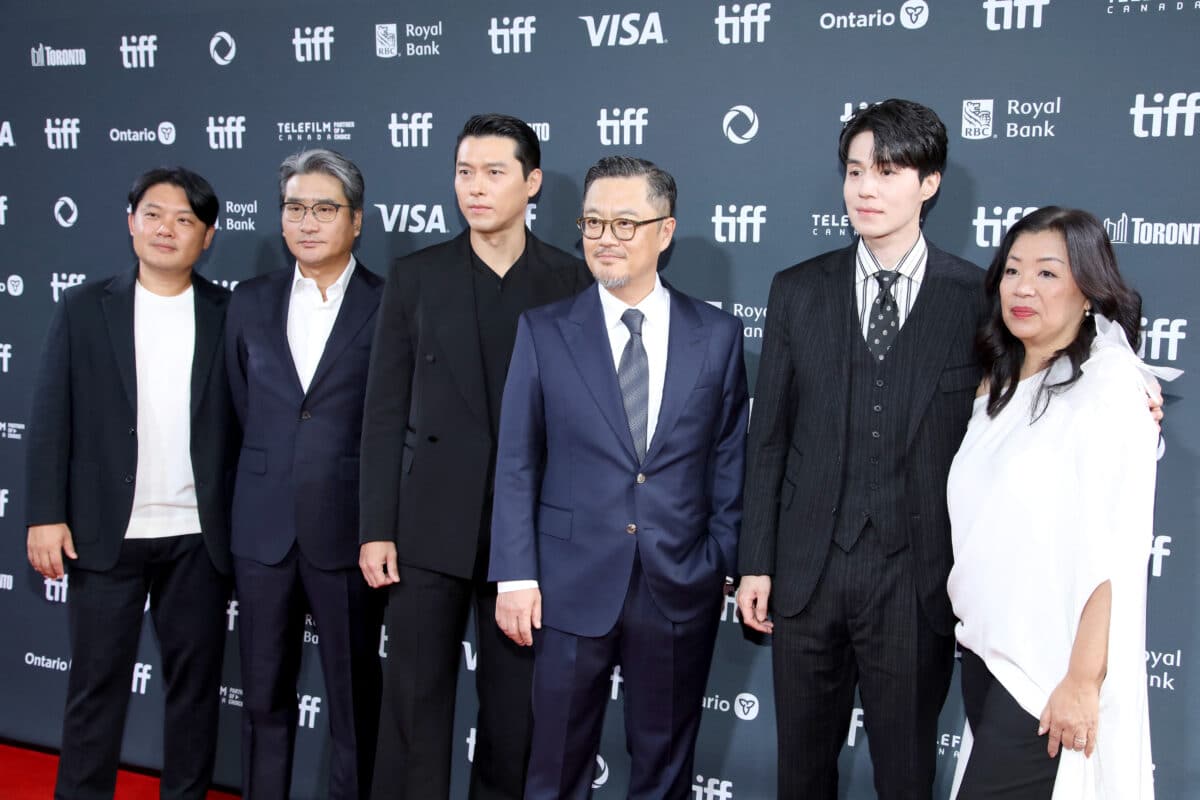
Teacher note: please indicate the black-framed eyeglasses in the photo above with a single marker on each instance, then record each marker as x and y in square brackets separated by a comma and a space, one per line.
[623, 229]
[323, 212]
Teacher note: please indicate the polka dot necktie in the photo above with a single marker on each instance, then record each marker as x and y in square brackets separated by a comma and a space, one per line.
[884, 323]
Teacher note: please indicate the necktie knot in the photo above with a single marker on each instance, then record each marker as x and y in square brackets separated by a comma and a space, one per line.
[886, 278]
[633, 320]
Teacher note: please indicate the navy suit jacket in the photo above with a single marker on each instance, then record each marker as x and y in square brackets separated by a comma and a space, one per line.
[572, 503]
[297, 474]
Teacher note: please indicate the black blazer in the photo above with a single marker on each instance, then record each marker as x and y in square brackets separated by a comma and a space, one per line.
[798, 431]
[297, 473]
[82, 452]
[427, 442]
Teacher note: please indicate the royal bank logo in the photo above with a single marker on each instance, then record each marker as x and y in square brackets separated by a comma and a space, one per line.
[1160, 342]
[623, 30]
[1024, 119]
[912, 15]
[15, 286]
[1162, 667]
[222, 48]
[6, 134]
[61, 281]
[410, 129]
[511, 35]
[412, 218]
[1007, 15]
[625, 127]
[225, 133]
[734, 224]
[62, 133]
[314, 131]
[388, 44]
[991, 227]
[141, 678]
[164, 133]
[1164, 118]
[740, 124]
[977, 119]
[137, 51]
[742, 23]
[1139, 230]
[310, 707]
[313, 43]
[239, 217]
[712, 789]
[45, 56]
[66, 213]
[57, 588]
[387, 41]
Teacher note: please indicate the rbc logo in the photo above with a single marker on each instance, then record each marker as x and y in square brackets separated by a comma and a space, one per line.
[990, 230]
[742, 223]
[315, 44]
[624, 29]
[411, 130]
[62, 133]
[513, 35]
[1179, 104]
[225, 133]
[137, 51]
[1000, 13]
[624, 128]
[742, 25]
[977, 119]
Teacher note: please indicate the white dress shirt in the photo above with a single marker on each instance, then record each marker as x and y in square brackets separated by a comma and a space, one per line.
[912, 271]
[310, 319]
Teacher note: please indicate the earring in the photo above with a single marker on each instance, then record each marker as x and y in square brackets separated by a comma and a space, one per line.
[1087, 311]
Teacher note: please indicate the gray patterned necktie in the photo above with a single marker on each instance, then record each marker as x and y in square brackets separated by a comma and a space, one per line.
[884, 316]
[633, 374]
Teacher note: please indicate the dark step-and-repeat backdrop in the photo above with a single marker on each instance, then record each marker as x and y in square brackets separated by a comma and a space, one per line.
[1089, 103]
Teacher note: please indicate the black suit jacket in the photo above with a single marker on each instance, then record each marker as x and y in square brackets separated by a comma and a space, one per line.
[798, 432]
[82, 452]
[427, 442]
[297, 474]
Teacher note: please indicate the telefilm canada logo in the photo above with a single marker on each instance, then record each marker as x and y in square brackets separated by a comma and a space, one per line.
[314, 131]
[419, 40]
[1140, 7]
[912, 15]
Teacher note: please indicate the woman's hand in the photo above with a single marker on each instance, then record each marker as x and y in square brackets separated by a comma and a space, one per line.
[1071, 716]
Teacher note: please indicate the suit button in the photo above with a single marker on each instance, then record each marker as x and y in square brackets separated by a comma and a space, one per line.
[877, 407]
[133, 431]
[631, 528]
[641, 478]
[306, 414]
[879, 382]
[129, 479]
[429, 358]
[834, 511]
[874, 434]
[874, 486]
[432, 439]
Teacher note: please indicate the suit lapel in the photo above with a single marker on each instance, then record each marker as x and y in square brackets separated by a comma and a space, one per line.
[355, 312]
[275, 324]
[837, 309]
[118, 316]
[587, 339]
[452, 303]
[686, 346]
[210, 319]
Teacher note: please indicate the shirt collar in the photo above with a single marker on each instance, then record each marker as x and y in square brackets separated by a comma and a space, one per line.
[335, 290]
[910, 266]
[656, 305]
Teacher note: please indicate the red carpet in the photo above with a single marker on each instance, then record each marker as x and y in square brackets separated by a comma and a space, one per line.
[29, 775]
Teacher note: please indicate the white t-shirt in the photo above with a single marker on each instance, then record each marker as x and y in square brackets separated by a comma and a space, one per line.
[164, 489]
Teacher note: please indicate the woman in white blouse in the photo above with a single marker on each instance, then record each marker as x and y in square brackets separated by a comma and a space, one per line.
[1051, 499]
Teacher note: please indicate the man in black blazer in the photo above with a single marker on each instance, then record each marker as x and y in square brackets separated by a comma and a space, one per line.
[446, 329]
[297, 345]
[131, 445]
[864, 392]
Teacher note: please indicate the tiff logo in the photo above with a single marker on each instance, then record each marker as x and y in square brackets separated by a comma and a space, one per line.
[513, 35]
[625, 126]
[411, 130]
[741, 224]
[5, 355]
[231, 614]
[64, 280]
[615, 680]
[1158, 552]
[56, 588]
[1154, 334]
[856, 722]
[990, 230]
[742, 25]
[310, 706]
[137, 50]
[1000, 13]
[62, 133]
[141, 678]
[225, 133]
[3, 501]
[1179, 104]
[3, 208]
[624, 29]
[315, 44]
[712, 789]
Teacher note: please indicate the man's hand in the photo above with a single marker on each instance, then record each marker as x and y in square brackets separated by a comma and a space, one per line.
[45, 548]
[377, 560]
[518, 613]
[752, 596]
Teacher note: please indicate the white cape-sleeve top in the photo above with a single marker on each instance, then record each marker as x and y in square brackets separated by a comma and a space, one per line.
[1042, 512]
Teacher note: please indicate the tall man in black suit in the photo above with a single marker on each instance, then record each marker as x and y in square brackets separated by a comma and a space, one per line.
[131, 443]
[442, 347]
[298, 342]
[864, 392]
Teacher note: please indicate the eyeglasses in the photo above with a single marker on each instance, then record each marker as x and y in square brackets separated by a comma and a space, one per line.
[622, 229]
[322, 212]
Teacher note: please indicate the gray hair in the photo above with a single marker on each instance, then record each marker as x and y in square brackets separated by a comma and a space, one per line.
[661, 184]
[326, 162]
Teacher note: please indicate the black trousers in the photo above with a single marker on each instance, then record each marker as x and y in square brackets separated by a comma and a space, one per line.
[863, 626]
[272, 601]
[1008, 759]
[105, 611]
[426, 619]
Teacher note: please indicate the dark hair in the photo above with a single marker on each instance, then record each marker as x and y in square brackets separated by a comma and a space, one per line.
[528, 150]
[325, 162]
[661, 186]
[907, 134]
[1094, 268]
[200, 194]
